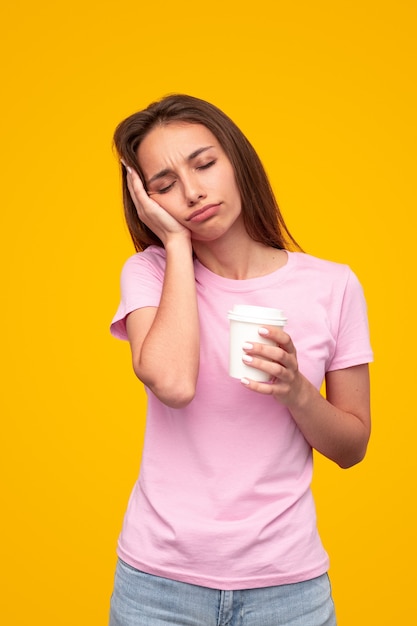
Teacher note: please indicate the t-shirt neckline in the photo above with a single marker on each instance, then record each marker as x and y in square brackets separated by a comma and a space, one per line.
[203, 274]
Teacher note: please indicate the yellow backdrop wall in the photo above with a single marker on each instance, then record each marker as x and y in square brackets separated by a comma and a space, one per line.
[327, 93]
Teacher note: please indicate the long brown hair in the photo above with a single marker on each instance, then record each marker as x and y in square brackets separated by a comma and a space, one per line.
[261, 214]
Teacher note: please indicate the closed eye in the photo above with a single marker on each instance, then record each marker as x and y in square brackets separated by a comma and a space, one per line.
[206, 165]
[163, 190]
[166, 189]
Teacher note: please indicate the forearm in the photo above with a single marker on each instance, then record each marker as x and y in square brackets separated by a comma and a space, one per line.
[339, 425]
[168, 359]
[336, 433]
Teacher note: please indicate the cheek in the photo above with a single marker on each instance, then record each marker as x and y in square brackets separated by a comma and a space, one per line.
[170, 203]
[233, 188]
[230, 180]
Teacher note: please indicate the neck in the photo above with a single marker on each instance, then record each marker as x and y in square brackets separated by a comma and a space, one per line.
[239, 259]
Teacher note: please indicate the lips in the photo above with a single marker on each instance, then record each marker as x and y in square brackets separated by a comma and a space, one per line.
[204, 213]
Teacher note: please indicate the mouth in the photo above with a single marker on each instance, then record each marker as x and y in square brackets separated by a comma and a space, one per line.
[204, 213]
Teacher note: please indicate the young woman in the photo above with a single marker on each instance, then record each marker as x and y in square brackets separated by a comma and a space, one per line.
[220, 528]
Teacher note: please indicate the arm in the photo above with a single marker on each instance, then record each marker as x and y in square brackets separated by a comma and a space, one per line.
[338, 426]
[165, 340]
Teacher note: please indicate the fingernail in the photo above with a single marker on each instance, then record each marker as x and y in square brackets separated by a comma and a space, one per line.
[128, 169]
[244, 381]
[263, 331]
[247, 358]
[247, 346]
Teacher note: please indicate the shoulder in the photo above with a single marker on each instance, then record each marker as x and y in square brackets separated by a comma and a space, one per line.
[319, 266]
[314, 270]
[323, 275]
[151, 259]
[153, 255]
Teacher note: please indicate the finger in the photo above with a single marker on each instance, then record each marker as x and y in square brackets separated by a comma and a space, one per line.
[277, 334]
[271, 367]
[130, 186]
[134, 182]
[268, 352]
[136, 186]
[266, 389]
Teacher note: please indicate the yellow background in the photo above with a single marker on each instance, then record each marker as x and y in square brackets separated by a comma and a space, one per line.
[326, 91]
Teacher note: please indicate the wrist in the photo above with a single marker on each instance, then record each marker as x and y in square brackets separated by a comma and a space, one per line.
[302, 396]
[178, 242]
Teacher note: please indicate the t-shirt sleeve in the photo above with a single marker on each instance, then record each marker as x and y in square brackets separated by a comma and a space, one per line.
[141, 285]
[352, 339]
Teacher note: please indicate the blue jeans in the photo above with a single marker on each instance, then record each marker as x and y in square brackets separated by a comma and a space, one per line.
[140, 599]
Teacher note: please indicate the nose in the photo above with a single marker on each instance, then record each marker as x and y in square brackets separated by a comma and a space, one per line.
[193, 190]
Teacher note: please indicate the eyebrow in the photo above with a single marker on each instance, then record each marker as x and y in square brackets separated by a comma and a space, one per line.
[166, 171]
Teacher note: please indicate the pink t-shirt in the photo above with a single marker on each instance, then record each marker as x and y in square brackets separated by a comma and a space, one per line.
[223, 498]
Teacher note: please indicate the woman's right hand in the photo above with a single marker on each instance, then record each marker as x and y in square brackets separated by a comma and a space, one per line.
[150, 212]
[157, 335]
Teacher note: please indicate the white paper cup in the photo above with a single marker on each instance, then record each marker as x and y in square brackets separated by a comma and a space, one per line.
[245, 321]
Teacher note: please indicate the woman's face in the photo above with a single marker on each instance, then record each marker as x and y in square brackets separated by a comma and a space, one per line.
[187, 172]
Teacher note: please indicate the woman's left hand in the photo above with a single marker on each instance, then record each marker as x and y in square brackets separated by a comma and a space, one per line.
[337, 425]
[281, 364]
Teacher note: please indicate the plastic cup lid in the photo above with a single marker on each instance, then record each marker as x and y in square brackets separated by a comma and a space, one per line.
[258, 314]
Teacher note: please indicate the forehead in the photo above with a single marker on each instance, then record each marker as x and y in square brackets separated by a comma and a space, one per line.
[173, 141]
